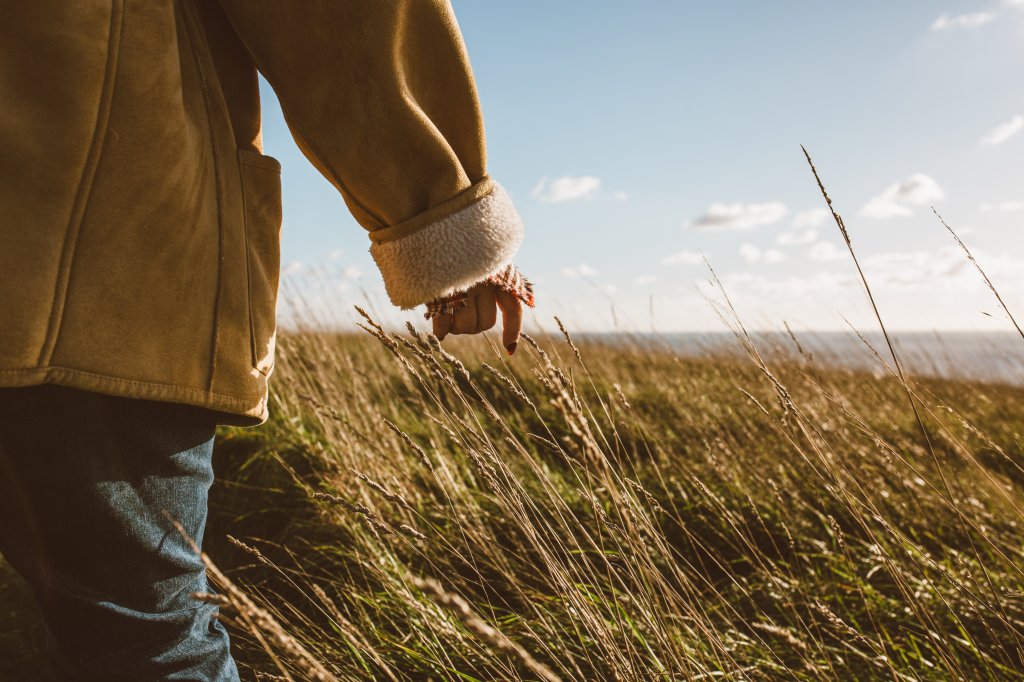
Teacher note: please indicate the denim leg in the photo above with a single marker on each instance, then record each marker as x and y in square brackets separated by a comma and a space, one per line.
[87, 483]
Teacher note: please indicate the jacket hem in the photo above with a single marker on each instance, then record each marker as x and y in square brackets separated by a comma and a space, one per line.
[231, 410]
[451, 253]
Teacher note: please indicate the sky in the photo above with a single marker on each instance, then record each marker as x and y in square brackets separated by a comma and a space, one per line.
[639, 139]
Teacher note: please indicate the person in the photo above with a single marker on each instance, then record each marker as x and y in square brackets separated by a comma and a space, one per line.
[139, 247]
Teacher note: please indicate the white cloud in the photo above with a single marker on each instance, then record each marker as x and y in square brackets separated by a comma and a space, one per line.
[645, 279]
[721, 216]
[814, 286]
[1004, 206]
[812, 217]
[896, 199]
[683, 258]
[581, 270]
[946, 270]
[291, 268]
[352, 272]
[566, 188]
[825, 251]
[750, 253]
[753, 254]
[336, 254]
[796, 237]
[1003, 132]
[903, 270]
[975, 20]
[619, 196]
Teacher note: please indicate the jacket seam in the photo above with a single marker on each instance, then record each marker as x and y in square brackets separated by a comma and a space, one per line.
[462, 199]
[297, 132]
[85, 186]
[248, 266]
[184, 390]
[191, 30]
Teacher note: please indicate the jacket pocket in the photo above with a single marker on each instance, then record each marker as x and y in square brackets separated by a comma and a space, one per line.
[261, 192]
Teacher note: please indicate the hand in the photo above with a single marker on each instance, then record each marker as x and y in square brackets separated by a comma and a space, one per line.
[480, 314]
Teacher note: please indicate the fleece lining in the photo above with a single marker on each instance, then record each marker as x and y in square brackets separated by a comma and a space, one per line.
[453, 253]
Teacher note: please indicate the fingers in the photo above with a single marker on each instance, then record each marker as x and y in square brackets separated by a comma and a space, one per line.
[465, 317]
[481, 313]
[486, 311]
[442, 325]
[512, 320]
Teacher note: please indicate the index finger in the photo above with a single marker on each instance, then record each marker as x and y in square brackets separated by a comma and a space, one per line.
[512, 320]
[442, 325]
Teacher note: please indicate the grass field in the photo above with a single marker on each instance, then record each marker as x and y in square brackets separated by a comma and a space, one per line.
[613, 511]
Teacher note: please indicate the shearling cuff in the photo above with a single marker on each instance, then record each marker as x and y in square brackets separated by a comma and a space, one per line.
[450, 254]
[509, 280]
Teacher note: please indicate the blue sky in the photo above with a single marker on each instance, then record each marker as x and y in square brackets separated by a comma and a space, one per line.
[635, 137]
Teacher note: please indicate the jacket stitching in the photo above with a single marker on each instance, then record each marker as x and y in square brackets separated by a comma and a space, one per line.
[85, 186]
[335, 177]
[462, 199]
[298, 134]
[104, 378]
[190, 31]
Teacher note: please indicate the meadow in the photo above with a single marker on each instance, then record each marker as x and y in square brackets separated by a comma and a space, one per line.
[613, 511]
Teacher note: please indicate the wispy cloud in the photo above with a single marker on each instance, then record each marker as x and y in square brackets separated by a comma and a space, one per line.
[896, 199]
[581, 270]
[719, 216]
[916, 268]
[796, 237]
[645, 279]
[683, 258]
[825, 251]
[813, 286]
[811, 217]
[566, 188]
[1003, 132]
[291, 268]
[944, 270]
[973, 20]
[753, 254]
[1004, 206]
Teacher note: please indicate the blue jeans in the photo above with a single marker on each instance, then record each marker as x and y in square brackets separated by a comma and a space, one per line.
[87, 483]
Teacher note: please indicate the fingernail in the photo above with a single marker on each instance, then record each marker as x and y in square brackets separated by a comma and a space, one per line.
[511, 348]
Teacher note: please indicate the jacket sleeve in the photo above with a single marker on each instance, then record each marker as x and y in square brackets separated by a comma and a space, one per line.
[380, 97]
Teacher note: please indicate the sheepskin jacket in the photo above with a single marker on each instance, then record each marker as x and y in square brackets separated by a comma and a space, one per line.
[140, 220]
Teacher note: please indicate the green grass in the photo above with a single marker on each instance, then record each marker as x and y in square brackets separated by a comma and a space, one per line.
[624, 513]
[628, 514]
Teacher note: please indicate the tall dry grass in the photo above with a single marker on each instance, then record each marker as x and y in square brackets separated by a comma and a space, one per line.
[615, 511]
[611, 512]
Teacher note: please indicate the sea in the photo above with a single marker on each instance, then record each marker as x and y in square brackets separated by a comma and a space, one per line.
[989, 357]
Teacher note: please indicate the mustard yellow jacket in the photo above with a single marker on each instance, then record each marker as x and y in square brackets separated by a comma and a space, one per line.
[140, 220]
